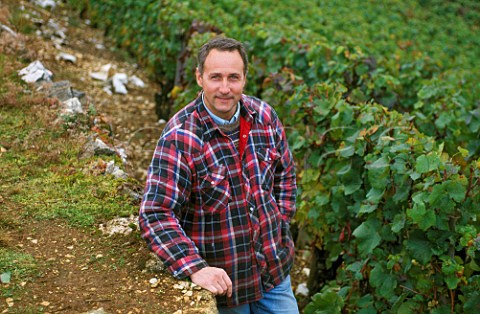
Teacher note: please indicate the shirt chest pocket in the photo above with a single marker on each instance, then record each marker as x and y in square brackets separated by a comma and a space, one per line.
[214, 190]
[267, 161]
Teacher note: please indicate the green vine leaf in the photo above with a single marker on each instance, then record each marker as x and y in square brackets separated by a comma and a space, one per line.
[383, 281]
[380, 163]
[421, 216]
[398, 222]
[328, 302]
[427, 163]
[368, 236]
[419, 247]
[455, 190]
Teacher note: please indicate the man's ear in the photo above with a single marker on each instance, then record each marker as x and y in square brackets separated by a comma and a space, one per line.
[199, 78]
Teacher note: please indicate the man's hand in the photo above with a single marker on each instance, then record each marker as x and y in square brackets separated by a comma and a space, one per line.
[214, 280]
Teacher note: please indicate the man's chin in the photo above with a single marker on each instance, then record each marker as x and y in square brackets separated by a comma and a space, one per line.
[227, 106]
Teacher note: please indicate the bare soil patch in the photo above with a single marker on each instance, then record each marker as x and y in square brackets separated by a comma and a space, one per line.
[80, 270]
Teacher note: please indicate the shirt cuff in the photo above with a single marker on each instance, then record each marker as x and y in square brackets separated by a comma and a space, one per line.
[186, 266]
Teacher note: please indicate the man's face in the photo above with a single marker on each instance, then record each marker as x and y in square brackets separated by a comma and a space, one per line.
[222, 82]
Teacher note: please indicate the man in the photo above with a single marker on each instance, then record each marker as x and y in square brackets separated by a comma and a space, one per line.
[221, 191]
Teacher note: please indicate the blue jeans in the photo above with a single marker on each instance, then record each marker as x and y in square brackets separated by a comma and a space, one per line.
[279, 300]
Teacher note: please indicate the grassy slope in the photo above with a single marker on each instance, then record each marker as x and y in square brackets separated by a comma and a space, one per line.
[41, 174]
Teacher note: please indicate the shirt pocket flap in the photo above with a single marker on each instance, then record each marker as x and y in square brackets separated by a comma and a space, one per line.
[215, 191]
[214, 177]
[268, 155]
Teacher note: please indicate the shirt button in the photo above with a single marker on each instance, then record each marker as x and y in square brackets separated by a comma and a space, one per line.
[213, 182]
[244, 136]
[251, 209]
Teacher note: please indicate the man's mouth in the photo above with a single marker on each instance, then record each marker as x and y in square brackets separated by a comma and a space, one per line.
[224, 98]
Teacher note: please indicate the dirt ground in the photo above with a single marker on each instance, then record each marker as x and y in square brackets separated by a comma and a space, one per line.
[83, 271]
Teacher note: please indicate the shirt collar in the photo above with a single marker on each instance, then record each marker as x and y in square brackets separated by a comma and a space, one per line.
[217, 119]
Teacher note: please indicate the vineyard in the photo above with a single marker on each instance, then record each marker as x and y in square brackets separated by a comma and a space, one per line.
[380, 101]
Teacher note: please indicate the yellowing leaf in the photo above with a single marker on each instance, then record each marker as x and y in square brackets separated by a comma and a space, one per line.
[372, 130]
[462, 151]
[412, 141]
[175, 91]
[387, 138]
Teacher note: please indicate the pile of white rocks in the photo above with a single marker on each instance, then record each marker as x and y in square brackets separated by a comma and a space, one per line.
[117, 81]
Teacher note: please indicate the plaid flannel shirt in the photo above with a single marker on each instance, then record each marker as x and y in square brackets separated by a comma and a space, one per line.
[205, 205]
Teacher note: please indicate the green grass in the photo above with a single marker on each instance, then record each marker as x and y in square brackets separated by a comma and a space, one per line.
[42, 172]
[19, 265]
[22, 23]
[78, 198]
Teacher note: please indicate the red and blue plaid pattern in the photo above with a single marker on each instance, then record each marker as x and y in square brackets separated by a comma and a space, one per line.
[205, 205]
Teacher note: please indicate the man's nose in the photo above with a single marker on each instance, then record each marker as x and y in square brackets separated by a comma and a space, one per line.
[225, 87]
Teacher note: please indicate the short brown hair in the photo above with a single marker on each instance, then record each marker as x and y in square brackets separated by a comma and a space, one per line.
[222, 44]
